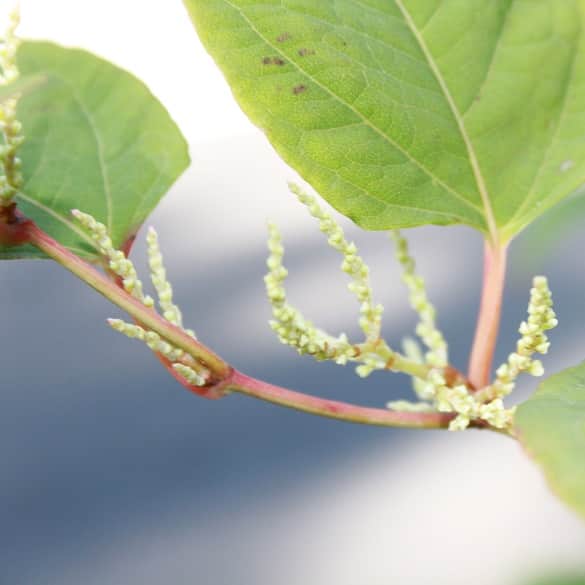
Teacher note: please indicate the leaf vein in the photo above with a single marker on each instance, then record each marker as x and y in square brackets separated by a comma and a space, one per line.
[480, 182]
[450, 190]
[59, 217]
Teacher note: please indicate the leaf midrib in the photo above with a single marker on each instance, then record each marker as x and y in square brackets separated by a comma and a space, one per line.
[99, 145]
[58, 216]
[474, 161]
[100, 150]
[365, 121]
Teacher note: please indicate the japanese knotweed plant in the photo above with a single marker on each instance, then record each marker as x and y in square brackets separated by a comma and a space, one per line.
[400, 113]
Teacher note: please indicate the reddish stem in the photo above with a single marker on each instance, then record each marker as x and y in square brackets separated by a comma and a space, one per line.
[488, 322]
[238, 382]
[13, 226]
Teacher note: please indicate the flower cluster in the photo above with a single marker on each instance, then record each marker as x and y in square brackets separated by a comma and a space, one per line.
[117, 261]
[164, 290]
[460, 401]
[10, 127]
[436, 395]
[289, 324]
[435, 390]
[352, 264]
[295, 330]
[438, 387]
[487, 404]
[541, 318]
[184, 365]
[427, 330]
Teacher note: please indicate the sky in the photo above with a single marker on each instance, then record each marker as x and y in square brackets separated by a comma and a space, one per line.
[112, 474]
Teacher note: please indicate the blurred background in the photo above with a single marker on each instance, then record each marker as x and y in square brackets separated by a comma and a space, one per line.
[113, 474]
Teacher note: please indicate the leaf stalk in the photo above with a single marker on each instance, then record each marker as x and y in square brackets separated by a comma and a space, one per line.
[488, 321]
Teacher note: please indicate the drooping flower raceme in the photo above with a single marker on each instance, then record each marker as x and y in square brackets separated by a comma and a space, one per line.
[10, 127]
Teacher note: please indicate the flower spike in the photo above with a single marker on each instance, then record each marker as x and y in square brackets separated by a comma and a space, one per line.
[195, 373]
[10, 127]
[427, 330]
[293, 329]
[288, 323]
[541, 318]
[117, 261]
[152, 339]
[353, 264]
[163, 287]
[193, 377]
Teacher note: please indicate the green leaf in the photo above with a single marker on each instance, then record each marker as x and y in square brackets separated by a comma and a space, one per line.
[96, 139]
[408, 112]
[545, 235]
[551, 426]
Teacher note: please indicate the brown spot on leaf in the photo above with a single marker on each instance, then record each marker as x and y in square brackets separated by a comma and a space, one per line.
[304, 52]
[297, 89]
[273, 61]
[281, 38]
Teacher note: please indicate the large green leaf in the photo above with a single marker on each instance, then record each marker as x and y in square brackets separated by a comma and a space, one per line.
[407, 112]
[545, 236]
[97, 140]
[551, 426]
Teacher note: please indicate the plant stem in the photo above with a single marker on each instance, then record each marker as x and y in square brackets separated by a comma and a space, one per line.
[394, 360]
[238, 382]
[126, 302]
[488, 321]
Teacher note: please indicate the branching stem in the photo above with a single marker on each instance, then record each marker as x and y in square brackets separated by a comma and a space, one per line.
[225, 378]
[144, 315]
[488, 322]
[238, 382]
